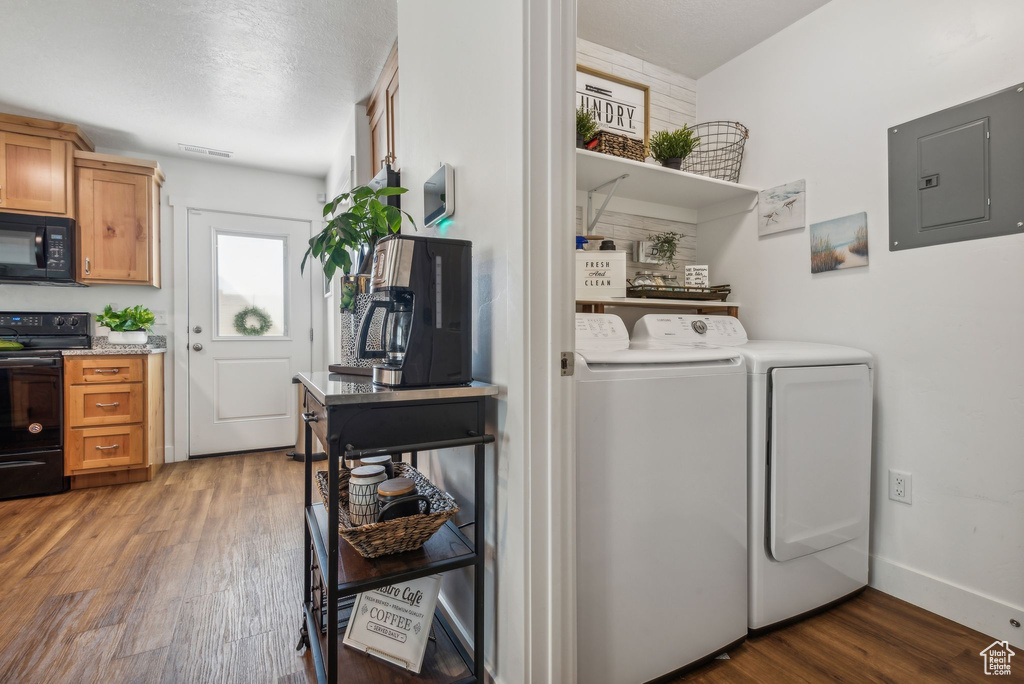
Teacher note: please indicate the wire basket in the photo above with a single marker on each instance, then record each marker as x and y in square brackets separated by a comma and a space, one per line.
[720, 153]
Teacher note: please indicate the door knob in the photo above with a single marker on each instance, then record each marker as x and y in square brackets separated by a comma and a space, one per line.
[198, 329]
[197, 347]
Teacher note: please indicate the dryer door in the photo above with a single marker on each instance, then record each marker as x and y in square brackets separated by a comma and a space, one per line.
[819, 458]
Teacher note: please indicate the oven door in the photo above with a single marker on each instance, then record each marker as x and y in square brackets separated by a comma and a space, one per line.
[30, 404]
[22, 251]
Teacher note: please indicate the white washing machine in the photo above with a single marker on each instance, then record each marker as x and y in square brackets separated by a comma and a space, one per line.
[661, 504]
[809, 432]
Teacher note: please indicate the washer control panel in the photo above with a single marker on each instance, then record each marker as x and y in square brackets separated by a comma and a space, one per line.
[659, 330]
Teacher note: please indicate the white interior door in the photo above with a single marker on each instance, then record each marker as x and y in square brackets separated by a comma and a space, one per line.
[240, 391]
[820, 458]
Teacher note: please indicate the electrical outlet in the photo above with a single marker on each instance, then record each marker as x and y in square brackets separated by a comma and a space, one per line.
[900, 486]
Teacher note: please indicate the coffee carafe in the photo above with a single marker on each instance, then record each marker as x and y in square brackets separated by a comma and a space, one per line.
[419, 322]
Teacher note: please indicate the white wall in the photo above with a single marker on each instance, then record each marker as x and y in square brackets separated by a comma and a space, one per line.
[945, 322]
[215, 185]
[462, 104]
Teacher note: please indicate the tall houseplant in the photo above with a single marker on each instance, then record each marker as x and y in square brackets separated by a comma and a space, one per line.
[352, 234]
[365, 221]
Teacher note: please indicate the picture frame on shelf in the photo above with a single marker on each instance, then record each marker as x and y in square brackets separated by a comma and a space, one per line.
[620, 106]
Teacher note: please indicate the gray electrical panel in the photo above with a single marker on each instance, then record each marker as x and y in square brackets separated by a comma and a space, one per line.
[958, 174]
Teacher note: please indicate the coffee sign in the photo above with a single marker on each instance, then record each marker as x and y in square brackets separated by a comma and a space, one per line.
[393, 623]
[619, 105]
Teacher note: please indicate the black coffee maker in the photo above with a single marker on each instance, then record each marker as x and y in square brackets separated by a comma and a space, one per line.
[420, 324]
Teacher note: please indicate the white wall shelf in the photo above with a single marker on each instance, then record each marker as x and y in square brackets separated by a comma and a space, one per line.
[598, 304]
[657, 184]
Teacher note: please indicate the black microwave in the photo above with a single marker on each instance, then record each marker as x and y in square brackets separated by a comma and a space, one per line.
[37, 249]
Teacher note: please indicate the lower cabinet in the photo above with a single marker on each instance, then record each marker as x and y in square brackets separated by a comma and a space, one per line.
[113, 418]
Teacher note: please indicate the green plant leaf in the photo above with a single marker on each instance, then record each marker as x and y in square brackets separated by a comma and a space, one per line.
[388, 192]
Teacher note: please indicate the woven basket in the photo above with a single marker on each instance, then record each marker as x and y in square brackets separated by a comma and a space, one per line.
[618, 145]
[393, 536]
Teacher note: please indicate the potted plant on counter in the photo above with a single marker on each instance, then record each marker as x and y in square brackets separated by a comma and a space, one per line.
[347, 243]
[127, 326]
[586, 126]
[670, 148]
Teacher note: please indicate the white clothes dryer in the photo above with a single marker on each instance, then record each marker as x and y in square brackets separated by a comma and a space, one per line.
[809, 413]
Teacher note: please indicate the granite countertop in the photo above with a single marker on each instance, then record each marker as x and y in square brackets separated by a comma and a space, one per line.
[332, 389]
[100, 347]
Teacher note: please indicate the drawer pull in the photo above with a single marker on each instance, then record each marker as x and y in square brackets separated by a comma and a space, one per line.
[310, 417]
[104, 448]
[110, 405]
[106, 371]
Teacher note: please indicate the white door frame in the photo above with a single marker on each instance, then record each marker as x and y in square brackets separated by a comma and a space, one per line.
[549, 71]
[179, 317]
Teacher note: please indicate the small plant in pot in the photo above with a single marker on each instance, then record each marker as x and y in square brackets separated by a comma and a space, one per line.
[670, 148]
[127, 326]
[586, 126]
[665, 246]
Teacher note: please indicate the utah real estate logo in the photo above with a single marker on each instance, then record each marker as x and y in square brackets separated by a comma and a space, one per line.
[997, 658]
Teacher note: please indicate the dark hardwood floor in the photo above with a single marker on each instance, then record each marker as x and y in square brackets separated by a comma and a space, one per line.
[196, 577]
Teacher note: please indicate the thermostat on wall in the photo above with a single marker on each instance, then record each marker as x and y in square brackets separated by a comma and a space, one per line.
[439, 195]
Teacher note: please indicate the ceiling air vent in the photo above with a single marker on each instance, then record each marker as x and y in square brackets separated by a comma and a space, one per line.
[196, 149]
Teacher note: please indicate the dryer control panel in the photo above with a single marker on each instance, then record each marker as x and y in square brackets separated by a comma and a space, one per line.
[659, 330]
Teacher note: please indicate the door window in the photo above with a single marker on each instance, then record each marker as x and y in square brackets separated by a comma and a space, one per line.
[251, 296]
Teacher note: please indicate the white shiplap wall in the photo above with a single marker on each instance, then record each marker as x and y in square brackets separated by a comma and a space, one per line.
[673, 96]
[673, 104]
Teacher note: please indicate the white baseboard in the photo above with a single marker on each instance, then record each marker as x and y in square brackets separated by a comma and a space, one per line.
[169, 453]
[970, 608]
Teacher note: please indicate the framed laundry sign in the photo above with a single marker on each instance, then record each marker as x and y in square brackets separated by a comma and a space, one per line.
[619, 105]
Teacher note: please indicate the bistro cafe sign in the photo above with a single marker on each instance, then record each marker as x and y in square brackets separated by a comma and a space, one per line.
[619, 105]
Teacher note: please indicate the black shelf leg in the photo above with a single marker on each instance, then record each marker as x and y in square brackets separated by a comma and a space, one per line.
[333, 449]
[479, 546]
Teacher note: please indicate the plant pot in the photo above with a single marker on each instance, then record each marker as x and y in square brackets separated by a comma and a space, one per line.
[673, 163]
[580, 142]
[128, 337]
[351, 287]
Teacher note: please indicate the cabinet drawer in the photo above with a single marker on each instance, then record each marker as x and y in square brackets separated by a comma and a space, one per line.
[105, 369]
[104, 447]
[104, 404]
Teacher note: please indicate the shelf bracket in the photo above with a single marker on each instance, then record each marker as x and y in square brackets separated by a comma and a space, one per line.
[592, 220]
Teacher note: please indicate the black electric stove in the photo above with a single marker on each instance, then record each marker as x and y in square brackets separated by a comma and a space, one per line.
[32, 399]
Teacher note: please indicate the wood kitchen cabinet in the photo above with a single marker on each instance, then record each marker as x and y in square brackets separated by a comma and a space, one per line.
[36, 171]
[113, 418]
[382, 111]
[118, 219]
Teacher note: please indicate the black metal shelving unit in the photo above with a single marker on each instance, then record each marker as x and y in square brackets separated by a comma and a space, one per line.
[352, 422]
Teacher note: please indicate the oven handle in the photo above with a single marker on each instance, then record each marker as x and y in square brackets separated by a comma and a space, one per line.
[20, 464]
[41, 247]
[27, 362]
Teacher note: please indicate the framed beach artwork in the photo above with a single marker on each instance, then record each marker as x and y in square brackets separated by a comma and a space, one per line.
[839, 243]
[782, 208]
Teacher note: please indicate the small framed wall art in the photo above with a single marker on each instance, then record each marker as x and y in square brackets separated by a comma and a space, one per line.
[839, 243]
[782, 208]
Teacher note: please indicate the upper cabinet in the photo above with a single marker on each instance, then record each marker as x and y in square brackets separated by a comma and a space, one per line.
[118, 219]
[36, 165]
[382, 110]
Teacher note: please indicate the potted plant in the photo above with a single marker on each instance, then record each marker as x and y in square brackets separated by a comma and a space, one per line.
[672, 147]
[586, 126]
[349, 236]
[355, 230]
[127, 326]
[665, 246]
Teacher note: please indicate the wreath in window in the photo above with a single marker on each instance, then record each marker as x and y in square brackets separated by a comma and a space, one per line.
[259, 327]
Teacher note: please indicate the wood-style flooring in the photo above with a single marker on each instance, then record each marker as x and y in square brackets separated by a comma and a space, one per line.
[197, 577]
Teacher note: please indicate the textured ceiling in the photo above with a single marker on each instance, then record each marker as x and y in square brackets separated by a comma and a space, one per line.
[690, 37]
[271, 80]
